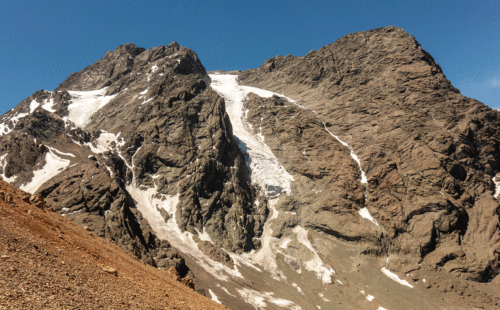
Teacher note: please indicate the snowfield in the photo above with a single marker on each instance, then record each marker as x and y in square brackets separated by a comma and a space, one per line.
[53, 166]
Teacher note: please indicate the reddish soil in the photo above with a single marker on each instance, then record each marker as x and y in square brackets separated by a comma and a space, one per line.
[48, 262]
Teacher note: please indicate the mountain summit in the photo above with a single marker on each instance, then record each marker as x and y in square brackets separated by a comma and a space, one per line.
[355, 177]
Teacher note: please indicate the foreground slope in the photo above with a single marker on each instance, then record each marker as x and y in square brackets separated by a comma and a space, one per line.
[46, 261]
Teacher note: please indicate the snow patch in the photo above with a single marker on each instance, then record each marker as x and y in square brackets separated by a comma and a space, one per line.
[298, 288]
[204, 236]
[33, 106]
[104, 142]
[366, 215]
[53, 166]
[85, 103]
[266, 256]
[214, 297]
[323, 297]
[48, 105]
[395, 277]
[497, 187]
[147, 203]
[4, 129]
[364, 180]
[57, 151]
[316, 264]
[259, 299]
[266, 171]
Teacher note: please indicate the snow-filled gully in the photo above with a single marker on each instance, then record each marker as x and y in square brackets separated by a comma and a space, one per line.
[266, 170]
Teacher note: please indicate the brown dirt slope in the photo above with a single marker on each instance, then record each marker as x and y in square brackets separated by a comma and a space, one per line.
[48, 262]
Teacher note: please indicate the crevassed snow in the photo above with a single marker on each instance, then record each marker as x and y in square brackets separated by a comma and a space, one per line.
[259, 299]
[366, 215]
[497, 187]
[85, 103]
[266, 171]
[53, 166]
[3, 163]
[316, 264]
[395, 277]
[214, 297]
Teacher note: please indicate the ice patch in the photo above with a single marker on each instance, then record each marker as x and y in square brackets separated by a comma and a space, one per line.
[214, 297]
[395, 277]
[266, 171]
[381, 308]
[366, 215]
[53, 166]
[85, 103]
[258, 299]
[316, 264]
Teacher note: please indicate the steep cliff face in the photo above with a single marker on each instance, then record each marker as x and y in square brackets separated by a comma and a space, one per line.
[429, 153]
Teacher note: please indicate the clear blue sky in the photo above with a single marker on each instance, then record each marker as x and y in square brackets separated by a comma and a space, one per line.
[43, 41]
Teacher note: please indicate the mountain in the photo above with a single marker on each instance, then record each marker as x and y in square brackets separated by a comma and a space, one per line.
[356, 177]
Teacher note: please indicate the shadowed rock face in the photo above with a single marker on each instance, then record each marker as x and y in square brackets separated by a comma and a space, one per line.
[429, 153]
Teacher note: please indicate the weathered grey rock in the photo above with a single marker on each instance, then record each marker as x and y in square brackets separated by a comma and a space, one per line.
[429, 153]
